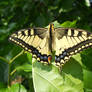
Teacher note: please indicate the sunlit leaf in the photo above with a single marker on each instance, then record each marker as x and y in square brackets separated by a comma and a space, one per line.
[47, 78]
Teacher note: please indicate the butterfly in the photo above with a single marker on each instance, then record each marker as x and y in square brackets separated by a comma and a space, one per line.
[42, 42]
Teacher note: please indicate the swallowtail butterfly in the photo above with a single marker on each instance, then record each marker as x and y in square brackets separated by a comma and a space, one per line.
[41, 42]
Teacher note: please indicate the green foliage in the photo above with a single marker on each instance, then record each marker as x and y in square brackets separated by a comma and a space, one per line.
[76, 75]
[49, 79]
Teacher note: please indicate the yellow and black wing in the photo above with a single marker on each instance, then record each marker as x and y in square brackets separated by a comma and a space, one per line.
[70, 41]
[33, 40]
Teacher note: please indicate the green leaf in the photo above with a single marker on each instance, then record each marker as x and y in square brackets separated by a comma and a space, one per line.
[69, 24]
[47, 78]
[87, 58]
[44, 78]
[25, 67]
[17, 88]
[14, 88]
[56, 24]
[87, 79]
[2, 85]
[87, 3]
[29, 56]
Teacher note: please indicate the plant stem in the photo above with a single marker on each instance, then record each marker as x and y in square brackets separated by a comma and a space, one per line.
[5, 60]
[13, 72]
[9, 70]
[16, 56]
[9, 76]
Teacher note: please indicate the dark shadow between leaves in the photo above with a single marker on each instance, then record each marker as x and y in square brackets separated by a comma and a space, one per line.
[74, 68]
[3, 72]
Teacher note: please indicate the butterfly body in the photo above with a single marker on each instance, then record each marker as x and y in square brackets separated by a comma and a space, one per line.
[42, 42]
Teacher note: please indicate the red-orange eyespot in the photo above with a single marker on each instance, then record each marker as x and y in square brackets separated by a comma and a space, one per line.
[49, 59]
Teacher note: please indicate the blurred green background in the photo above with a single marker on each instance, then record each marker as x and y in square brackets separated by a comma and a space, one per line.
[19, 14]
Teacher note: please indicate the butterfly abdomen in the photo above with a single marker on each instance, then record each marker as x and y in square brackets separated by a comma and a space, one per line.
[52, 38]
